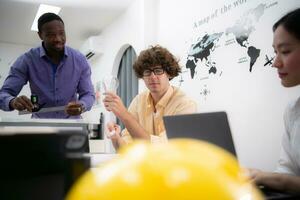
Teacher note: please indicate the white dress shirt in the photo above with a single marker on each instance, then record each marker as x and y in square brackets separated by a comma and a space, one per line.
[289, 161]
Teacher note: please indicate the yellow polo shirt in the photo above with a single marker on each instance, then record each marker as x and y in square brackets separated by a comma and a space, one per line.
[174, 102]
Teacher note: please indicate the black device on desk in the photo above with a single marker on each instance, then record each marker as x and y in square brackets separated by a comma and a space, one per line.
[212, 127]
[272, 194]
[41, 165]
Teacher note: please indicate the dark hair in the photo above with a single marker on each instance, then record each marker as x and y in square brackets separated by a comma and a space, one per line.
[291, 22]
[157, 56]
[47, 17]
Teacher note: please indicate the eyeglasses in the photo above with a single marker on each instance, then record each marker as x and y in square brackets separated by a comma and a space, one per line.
[156, 71]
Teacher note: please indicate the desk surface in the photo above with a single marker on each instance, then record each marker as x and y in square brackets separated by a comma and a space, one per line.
[100, 158]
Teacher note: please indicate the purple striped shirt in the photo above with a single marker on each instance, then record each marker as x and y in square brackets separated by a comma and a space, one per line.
[71, 81]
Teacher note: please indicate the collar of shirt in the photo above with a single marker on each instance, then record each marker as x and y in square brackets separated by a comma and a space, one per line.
[43, 52]
[162, 103]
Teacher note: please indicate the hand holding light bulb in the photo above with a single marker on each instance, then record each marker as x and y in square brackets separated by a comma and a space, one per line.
[111, 101]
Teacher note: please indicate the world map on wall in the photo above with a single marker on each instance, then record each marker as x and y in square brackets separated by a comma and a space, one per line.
[203, 49]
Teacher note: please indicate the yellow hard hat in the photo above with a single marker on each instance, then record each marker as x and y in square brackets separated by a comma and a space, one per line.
[182, 169]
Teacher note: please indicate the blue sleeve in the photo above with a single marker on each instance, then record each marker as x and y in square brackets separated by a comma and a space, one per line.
[85, 86]
[14, 82]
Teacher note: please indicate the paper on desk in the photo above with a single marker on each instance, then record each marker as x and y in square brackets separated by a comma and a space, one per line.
[44, 110]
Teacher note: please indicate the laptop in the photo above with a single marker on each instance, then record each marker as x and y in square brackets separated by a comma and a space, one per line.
[214, 128]
[211, 127]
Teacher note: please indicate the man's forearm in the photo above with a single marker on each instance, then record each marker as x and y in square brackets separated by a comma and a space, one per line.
[87, 101]
[5, 100]
[133, 127]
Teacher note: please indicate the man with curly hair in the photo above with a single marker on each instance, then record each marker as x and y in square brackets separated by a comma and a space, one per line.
[144, 117]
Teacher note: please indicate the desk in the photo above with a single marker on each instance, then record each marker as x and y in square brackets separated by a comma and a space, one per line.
[98, 159]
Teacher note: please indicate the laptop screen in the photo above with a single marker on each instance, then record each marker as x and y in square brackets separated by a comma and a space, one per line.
[212, 127]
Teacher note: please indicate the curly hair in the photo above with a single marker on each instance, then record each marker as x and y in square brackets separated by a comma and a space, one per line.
[157, 56]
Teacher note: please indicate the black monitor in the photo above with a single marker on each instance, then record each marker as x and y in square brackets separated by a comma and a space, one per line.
[211, 127]
[41, 165]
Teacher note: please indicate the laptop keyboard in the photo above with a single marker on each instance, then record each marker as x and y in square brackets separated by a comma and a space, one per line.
[271, 194]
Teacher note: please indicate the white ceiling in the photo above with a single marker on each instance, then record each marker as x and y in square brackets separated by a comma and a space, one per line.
[82, 18]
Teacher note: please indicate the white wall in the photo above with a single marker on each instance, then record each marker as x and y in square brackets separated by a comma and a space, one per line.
[255, 100]
[127, 30]
[8, 54]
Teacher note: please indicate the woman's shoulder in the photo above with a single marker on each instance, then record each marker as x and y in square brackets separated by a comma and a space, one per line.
[292, 111]
[294, 105]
